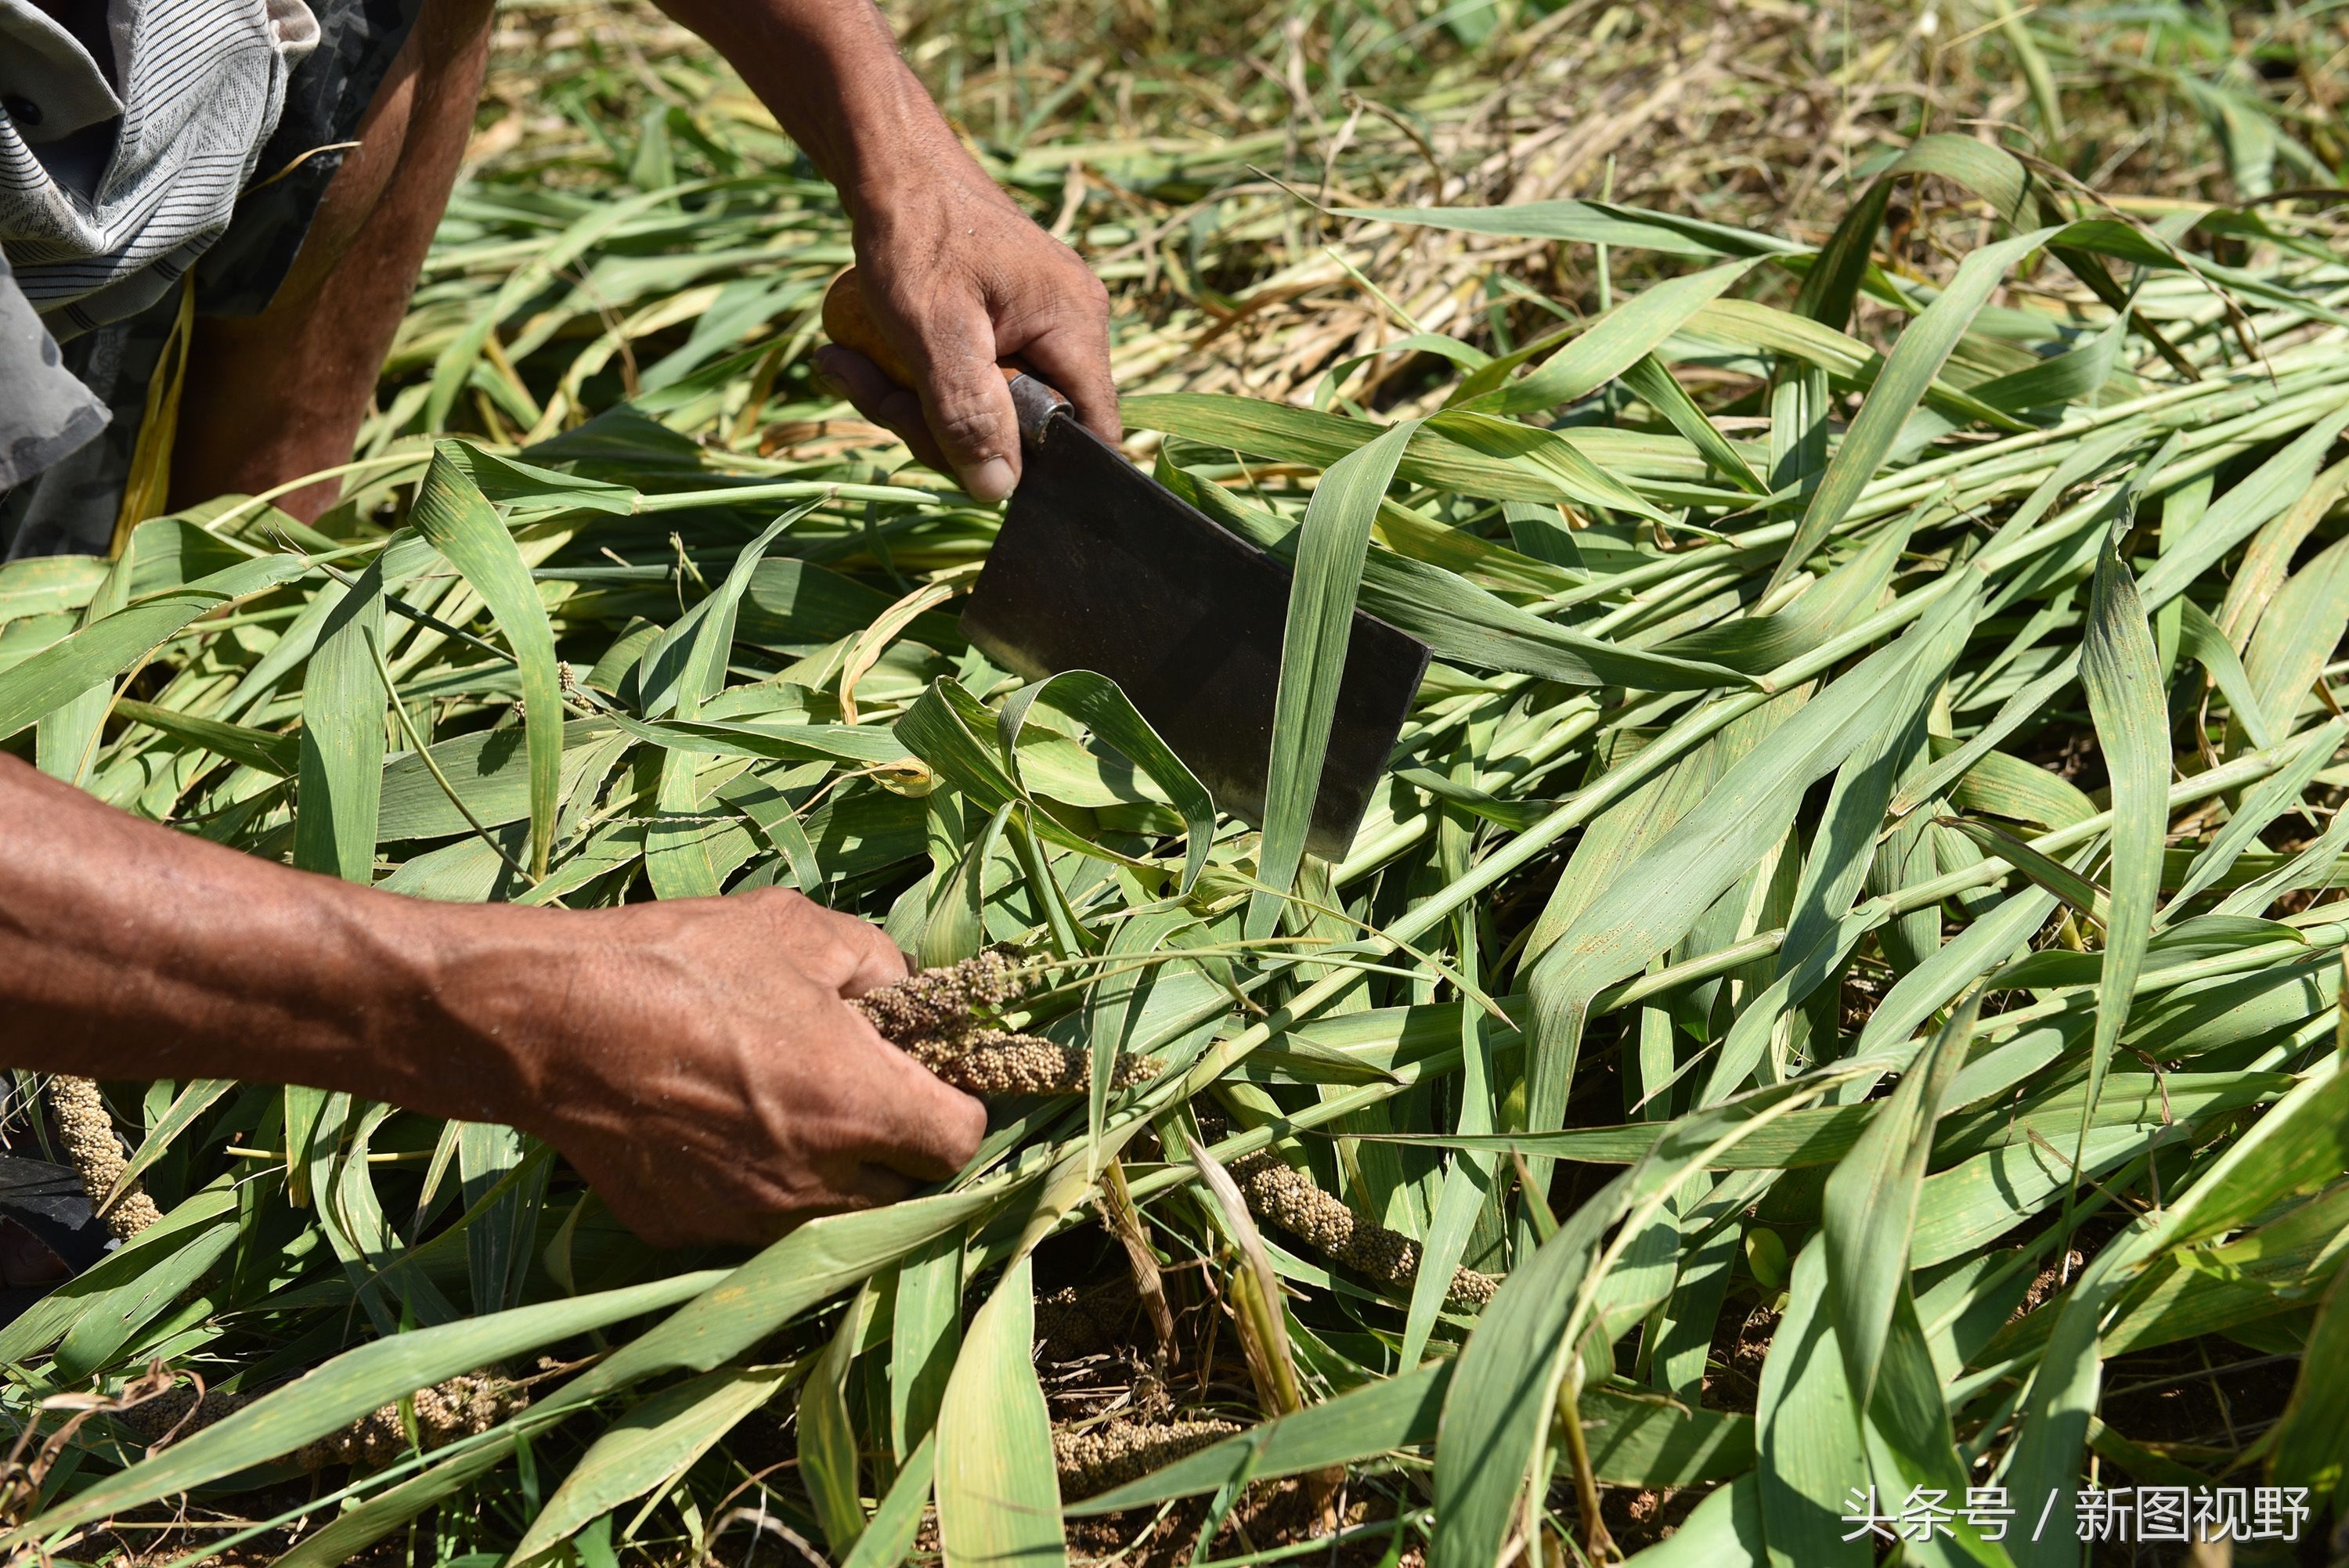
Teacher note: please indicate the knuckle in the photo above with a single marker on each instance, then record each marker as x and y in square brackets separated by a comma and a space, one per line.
[651, 1223]
[967, 424]
[952, 1122]
[966, 1129]
[770, 901]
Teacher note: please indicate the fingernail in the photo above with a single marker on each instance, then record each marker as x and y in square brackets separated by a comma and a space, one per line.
[992, 481]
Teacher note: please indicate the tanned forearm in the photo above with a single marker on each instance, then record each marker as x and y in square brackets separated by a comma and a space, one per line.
[129, 952]
[956, 276]
[695, 1060]
[830, 72]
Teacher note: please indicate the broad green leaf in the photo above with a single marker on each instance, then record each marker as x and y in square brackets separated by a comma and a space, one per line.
[451, 370]
[2000, 785]
[340, 783]
[818, 1260]
[1871, 1204]
[924, 1339]
[104, 1322]
[1653, 903]
[1506, 462]
[943, 725]
[1611, 345]
[256, 748]
[355, 1384]
[1497, 1416]
[997, 1489]
[2311, 1442]
[1806, 1431]
[110, 646]
[2237, 514]
[1759, 644]
[1916, 360]
[498, 1239]
[66, 740]
[889, 1540]
[1100, 704]
[827, 1448]
[1328, 569]
[1653, 383]
[491, 772]
[650, 1444]
[2292, 644]
[457, 519]
[1466, 1190]
[193, 1100]
[1462, 623]
[2301, 1144]
[1496, 1411]
[2123, 679]
[678, 849]
[1588, 222]
[1635, 1442]
[1725, 1532]
[2278, 794]
[2200, 639]
[354, 1529]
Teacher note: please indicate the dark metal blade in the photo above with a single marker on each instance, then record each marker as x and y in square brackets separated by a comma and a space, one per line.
[1100, 567]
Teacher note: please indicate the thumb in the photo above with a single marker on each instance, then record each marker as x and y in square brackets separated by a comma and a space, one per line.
[966, 403]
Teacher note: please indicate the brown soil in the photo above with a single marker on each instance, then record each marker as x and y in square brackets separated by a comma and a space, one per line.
[1280, 1512]
[1732, 1380]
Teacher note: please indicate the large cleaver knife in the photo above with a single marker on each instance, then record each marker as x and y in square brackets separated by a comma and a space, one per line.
[1100, 567]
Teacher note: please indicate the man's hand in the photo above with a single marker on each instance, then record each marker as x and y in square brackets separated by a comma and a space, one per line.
[704, 1073]
[956, 278]
[955, 274]
[695, 1060]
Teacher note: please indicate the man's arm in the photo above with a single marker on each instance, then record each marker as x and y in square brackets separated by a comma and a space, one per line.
[694, 1059]
[955, 274]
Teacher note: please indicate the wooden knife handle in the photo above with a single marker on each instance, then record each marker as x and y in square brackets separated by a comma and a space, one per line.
[849, 324]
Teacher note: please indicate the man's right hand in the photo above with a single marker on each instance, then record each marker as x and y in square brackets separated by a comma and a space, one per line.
[702, 1069]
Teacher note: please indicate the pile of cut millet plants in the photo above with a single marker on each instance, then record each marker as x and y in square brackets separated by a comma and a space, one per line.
[1840, 987]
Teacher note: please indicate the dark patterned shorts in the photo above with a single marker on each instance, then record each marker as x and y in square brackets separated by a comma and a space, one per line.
[69, 508]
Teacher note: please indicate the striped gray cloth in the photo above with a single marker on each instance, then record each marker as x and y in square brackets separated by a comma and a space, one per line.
[114, 177]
